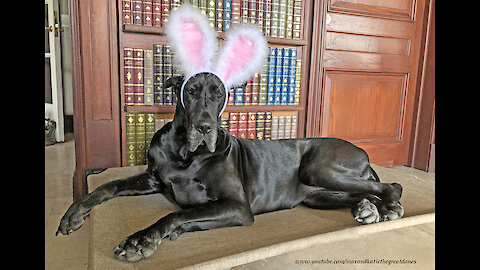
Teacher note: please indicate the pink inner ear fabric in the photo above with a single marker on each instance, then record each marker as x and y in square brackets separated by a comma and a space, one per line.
[193, 41]
[238, 57]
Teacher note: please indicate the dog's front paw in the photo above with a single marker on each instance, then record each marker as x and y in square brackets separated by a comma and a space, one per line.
[137, 246]
[73, 219]
[392, 211]
[366, 212]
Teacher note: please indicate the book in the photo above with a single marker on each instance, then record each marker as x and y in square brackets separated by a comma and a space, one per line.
[293, 132]
[147, 12]
[138, 76]
[127, 11]
[262, 92]
[211, 12]
[274, 127]
[251, 125]
[242, 124]
[281, 127]
[292, 76]
[278, 76]
[157, 12]
[282, 18]
[260, 125]
[247, 93]
[272, 58]
[140, 138]
[159, 122]
[165, 11]
[149, 130]
[274, 18]
[255, 88]
[260, 14]
[236, 12]
[288, 127]
[267, 17]
[128, 76]
[224, 122]
[231, 96]
[233, 124]
[289, 19]
[174, 5]
[137, 12]
[297, 17]
[239, 95]
[227, 15]
[252, 11]
[244, 11]
[298, 82]
[148, 77]
[219, 16]
[130, 139]
[268, 126]
[158, 77]
[285, 75]
[167, 73]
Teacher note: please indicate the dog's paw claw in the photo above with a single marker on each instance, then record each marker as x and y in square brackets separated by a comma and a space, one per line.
[366, 212]
[136, 247]
[394, 211]
[72, 220]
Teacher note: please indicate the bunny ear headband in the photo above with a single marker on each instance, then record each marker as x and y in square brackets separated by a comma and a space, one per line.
[194, 42]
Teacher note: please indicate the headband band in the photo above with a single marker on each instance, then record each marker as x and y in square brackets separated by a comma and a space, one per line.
[211, 72]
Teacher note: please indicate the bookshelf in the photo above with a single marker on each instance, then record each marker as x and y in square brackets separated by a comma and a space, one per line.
[144, 37]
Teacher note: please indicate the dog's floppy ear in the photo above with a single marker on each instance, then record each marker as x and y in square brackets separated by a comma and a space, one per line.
[176, 82]
[241, 56]
[192, 39]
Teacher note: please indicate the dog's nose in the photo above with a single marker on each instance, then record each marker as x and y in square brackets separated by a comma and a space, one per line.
[203, 127]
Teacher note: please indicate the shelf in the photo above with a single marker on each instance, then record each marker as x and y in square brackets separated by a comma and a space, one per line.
[238, 108]
[133, 28]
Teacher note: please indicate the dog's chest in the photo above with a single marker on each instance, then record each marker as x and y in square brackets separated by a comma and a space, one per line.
[189, 192]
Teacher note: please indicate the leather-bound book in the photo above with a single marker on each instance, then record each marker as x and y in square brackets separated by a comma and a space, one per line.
[128, 74]
[278, 76]
[158, 74]
[252, 125]
[138, 76]
[289, 20]
[272, 58]
[148, 77]
[298, 76]
[149, 130]
[292, 76]
[167, 73]
[285, 75]
[211, 12]
[252, 11]
[268, 126]
[262, 92]
[219, 16]
[260, 126]
[288, 127]
[274, 127]
[157, 12]
[274, 19]
[227, 15]
[282, 18]
[267, 17]
[137, 12]
[281, 127]
[239, 95]
[236, 12]
[140, 138]
[231, 96]
[247, 94]
[130, 138]
[233, 124]
[127, 11]
[297, 18]
[242, 124]
[293, 132]
[255, 89]
[224, 122]
[147, 11]
[260, 14]
[165, 11]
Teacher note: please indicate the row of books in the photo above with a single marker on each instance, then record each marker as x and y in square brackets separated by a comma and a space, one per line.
[146, 70]
[276, 18]
[140, 128]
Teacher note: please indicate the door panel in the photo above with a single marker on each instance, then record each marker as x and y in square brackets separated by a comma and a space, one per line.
[364, 66]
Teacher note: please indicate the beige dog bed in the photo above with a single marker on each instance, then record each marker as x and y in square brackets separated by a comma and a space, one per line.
[272, 234]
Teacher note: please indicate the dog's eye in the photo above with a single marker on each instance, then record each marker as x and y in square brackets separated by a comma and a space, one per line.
[192, 89]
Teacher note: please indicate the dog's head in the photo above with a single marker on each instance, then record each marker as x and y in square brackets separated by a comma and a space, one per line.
[203, 97]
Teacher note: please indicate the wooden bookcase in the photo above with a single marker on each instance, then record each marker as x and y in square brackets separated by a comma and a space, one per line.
[144, 37]
[98, 39]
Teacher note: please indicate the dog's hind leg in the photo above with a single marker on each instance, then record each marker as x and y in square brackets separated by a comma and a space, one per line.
[140, 184]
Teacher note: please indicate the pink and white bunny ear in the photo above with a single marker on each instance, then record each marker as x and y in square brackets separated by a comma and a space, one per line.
[192, 39]
[241, 56]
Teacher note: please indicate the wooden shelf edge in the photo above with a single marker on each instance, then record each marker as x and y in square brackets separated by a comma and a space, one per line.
[238, 108]
[133, 28]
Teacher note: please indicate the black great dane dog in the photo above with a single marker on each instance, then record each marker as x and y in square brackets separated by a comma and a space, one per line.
[219, 180]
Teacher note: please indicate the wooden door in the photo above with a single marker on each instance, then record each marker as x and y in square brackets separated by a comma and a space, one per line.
[365, 56]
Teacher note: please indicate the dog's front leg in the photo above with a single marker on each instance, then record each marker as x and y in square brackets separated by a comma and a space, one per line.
[140, 184]
[217, 214]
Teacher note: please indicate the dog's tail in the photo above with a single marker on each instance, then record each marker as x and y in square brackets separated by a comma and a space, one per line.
[374, 174]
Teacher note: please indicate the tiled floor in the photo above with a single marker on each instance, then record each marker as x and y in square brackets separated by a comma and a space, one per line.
[62, 252]
[71, 252]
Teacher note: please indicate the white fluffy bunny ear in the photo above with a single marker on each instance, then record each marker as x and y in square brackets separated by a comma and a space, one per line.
[241, 56]
[192, 39]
